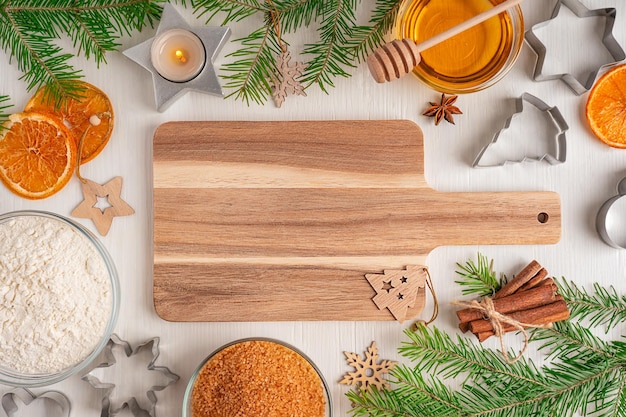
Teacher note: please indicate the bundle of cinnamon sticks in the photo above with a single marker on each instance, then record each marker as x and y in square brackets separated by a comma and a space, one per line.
[530, 297]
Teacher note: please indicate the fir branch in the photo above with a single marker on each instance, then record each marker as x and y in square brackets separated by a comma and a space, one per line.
[492, 388]
[4, 105]
[297, 13]
[570, 340]
[437, 353]
[479, 278]
[235, 10]
[329, 57]
[250, 74]
[602, 307]
[28, 29]
[365, 39]
[41, 61]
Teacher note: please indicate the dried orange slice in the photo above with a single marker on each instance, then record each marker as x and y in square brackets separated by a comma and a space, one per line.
[91, 115]
[37, 155]
[606, 107]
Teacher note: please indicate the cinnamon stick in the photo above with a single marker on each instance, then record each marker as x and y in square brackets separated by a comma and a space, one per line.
[519, 301]
[550, 313]
[486, 335]
[534, 281]
[520, 279]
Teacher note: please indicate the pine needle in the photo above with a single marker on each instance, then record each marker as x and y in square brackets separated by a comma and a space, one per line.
[478, 278]
[602, 307]
[4, 105]
[367, 38]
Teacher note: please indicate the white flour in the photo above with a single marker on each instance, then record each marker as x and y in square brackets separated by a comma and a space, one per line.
[55, 295]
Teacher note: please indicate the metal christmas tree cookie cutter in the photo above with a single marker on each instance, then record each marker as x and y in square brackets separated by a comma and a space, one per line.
[603, 213]
[57, 400]
[552, 114]
[108, 409]
[610, 43]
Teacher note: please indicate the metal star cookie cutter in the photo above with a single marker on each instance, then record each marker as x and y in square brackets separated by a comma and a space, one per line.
[165, 91]
[601, 220]
[552, 114]
[108, 410]
[610, 43]
[57, 399]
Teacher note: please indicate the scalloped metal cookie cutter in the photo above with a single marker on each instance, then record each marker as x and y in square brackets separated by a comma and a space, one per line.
[552, 113]
[603, 213]
[131, 403]
[10, 406]
[610, 43]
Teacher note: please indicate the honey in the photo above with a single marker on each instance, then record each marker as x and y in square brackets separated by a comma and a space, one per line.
[471, 60]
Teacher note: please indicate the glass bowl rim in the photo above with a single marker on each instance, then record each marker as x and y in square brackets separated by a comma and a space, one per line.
[18, 379]
[194, 375]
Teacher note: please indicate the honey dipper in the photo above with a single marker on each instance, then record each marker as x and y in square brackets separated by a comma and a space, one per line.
[397, 58]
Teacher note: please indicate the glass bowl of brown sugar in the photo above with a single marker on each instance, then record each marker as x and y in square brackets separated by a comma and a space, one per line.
[257, 377]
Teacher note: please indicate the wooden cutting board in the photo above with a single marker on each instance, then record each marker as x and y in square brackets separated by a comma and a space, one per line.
[270, 221]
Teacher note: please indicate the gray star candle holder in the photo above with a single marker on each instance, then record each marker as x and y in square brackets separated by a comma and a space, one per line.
[166, 91]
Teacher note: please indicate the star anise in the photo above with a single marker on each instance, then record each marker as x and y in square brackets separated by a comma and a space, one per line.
[443, 110]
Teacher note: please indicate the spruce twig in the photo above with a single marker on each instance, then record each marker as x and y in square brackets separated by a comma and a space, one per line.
[4, 105]
[367, 38]
[29, 28]
[602, 307]
[249, 76]
[329, 57]
[478, 278]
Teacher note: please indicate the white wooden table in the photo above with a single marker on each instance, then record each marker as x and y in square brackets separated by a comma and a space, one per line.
[587, 179]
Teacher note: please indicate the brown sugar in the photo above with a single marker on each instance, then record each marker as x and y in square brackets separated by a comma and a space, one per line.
[256, 379]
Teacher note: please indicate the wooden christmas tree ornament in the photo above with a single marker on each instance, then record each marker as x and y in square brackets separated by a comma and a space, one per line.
[403, 292]
[368, 371]
[397, 58]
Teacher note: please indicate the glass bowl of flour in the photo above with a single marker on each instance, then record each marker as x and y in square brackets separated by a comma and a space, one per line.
[59, 298]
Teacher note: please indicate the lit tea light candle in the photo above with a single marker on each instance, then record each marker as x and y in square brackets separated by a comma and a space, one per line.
[178, 55]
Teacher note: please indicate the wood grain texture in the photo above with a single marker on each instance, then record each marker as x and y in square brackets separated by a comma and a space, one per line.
[296, 242]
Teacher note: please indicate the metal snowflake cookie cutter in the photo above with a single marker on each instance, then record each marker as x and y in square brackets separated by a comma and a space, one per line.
[59, 404]
[108, 409]
[610, 43]
[603, 213]
[554, 117]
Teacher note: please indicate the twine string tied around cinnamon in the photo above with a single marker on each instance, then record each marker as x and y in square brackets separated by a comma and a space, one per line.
[498, 320]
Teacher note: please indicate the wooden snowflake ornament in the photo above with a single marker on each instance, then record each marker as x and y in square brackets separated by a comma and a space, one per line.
[368, 371]
[287, 83]
[402, 292]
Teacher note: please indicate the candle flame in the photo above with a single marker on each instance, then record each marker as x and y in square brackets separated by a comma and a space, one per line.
[181, 56]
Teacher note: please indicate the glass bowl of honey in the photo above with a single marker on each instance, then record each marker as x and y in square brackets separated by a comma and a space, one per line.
[470, 61]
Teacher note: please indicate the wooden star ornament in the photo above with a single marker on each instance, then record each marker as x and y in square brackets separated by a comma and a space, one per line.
[102, 217]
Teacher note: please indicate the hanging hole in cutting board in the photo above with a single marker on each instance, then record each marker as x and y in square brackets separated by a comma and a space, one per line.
[543, 217]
